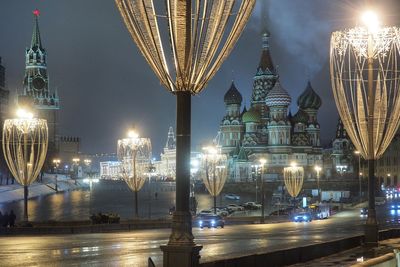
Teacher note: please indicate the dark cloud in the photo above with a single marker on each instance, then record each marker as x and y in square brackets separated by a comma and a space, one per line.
[105, 84]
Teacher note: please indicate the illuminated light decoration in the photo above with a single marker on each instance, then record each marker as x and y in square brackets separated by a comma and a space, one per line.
[36, 12]
[364, 66]
[25, 142]
[350, 51]
[185, 42]
[213, 171]
[134, 153]
[293, 177]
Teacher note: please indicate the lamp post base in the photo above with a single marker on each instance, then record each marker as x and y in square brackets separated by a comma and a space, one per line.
[371, 231]
[181, 256]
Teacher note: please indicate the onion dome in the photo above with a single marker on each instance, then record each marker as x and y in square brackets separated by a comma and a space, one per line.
[232, 96]
[251, 115]
[300, 117]
[309, 99]
[278, 96]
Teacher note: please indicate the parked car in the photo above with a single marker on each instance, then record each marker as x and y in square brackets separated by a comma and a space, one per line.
[252, 206]
[211, 221]
[232, 196]
[222, 211]
[302, 217]
[235, 207]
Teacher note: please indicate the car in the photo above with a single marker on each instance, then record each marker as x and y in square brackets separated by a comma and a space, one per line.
[222, 211]
[232, 196]
[234, 207]
[211, 221]
[364, 212]
[206, 212]
[302, 217]
[252, 206]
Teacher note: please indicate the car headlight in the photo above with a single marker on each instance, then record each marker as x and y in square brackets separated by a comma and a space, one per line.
[305, 217]
[296, 217]
[213, 222]
[200, 222]
[392, 206]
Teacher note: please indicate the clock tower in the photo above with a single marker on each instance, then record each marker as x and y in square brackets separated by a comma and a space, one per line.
[36, 91]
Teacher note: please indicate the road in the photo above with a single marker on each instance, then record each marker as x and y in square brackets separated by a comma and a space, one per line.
[133, 248]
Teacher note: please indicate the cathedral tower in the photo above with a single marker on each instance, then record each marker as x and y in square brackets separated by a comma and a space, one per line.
[231, 126]
[36, 91]
[264, 80]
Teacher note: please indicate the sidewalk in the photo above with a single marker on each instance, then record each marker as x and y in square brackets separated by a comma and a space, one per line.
[15, 192]
[354, 256]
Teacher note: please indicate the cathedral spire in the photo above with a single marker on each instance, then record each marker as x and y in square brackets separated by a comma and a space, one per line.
[36, 41]
[171, 139]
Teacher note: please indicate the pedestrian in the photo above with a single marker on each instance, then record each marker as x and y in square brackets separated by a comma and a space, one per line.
[5, 219]
[11, 218]
[155, 195]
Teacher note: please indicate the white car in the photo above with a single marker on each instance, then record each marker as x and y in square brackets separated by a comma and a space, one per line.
[234, 207]
[206, 212]
[232, 196]
[252, 205]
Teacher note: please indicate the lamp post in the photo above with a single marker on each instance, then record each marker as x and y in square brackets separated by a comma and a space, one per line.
[199, 35]
[75, 164]
[365, 82]
[56, 163]
[359, 170]
[25, 141]
[213, 171]
[318, 169]
[256, 178]
[134, 153]
[262, 162]
[388, 180]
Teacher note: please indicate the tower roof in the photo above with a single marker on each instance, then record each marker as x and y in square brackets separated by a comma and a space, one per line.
[266, 65]
[251, 115]
[278, 96]
[242, 156]
[340, 130]
[233, 96]
[300, 117]
[171, 139]
[36, 42]
[309, 98]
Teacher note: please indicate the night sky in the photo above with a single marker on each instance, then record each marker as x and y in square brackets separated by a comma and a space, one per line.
[105, 85]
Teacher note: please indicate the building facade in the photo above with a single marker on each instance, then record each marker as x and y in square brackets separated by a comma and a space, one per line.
[4, 112]
[267, 129]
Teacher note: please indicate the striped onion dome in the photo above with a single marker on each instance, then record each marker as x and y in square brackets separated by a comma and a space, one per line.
[300, 116]
[309, 99]
[278, 96]
[251, 115]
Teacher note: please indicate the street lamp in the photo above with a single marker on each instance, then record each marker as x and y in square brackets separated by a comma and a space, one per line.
[318, 169]
[56, 163]
[388, 181]
[75, 164]
[365, 82]
[89, 180]
[134, 153]
[25, 141]
[213, 171]
[262, 163]
[256, 177]
[359, 170]
[293, 177]
[198, 35]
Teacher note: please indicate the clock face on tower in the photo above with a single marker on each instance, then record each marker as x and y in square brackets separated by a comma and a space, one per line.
[38, 83]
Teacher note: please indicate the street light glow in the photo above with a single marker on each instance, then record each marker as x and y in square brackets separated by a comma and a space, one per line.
[293, 164]
[263, 161]
[317, 168]
[370, 20]
[24, 114]
[133, 134]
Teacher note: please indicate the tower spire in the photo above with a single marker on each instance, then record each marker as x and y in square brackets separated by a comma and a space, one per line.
[36, 41]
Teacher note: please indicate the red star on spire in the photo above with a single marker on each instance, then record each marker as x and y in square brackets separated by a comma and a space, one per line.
[36, 12]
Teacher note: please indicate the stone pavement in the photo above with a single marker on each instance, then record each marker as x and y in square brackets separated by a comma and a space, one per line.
[354, 256]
